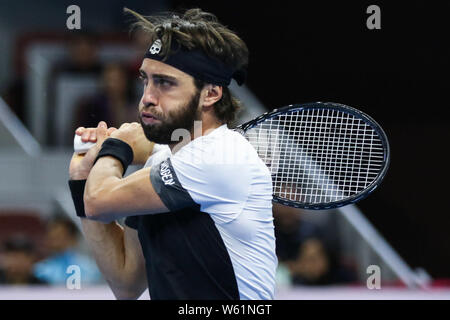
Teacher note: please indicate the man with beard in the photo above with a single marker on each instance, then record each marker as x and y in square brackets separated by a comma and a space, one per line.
[198, 222]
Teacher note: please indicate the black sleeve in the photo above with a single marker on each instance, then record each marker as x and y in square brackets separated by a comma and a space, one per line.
[169, 188]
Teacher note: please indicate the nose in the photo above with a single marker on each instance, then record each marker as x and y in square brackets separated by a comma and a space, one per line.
[150, 96]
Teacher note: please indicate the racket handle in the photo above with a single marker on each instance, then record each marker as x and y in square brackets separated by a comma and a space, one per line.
[81, 147]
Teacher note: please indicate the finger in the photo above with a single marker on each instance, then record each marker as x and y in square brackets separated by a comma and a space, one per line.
[86, 135]
[80, 131]
[124, 125]
[93, 136]
[101, 132]
[111, 130]
[101, 125]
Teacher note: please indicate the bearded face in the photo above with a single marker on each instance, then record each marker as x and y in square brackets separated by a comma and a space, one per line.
[160, 128]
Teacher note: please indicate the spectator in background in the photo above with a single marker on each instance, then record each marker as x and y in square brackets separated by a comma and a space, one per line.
[304, 258]
[316, 264]
[82, 60]
[16, 263]
[115, 104]
[83, 56]
[290, 230]
[61, 241]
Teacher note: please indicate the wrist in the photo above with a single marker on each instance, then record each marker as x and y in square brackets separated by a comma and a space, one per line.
[79, 168]
[118, 149]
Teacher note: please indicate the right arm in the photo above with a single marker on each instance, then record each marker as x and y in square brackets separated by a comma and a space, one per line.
[116, 249]
[119, 257]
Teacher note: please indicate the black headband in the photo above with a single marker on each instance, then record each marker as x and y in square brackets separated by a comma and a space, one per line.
[197, 64]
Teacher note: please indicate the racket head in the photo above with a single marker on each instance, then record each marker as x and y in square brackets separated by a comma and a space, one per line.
[304, 129]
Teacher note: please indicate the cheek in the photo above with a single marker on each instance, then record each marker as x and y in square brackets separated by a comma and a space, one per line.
[141, 104]
[166, 108]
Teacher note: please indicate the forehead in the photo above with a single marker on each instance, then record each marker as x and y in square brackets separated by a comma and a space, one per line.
[150, 66]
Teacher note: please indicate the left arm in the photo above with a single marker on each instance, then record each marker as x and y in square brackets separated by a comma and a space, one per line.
[108, 196]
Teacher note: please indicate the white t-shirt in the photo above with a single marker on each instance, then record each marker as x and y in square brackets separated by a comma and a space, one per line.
[224, 175]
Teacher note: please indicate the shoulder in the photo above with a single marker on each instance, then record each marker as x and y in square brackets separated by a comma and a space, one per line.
[220, 171]
[160, 153]
[221, 147]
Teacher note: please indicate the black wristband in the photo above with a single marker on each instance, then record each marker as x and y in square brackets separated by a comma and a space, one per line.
[118, 149]
[77, 191]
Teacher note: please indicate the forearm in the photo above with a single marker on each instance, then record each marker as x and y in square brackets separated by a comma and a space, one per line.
[108, 196]
[117, 251]
[106, 170]
[107, 244]
[105, 173]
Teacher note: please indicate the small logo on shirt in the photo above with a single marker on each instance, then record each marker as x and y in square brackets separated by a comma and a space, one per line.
[166, 174]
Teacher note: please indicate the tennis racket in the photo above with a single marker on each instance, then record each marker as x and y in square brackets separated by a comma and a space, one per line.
[321, 155]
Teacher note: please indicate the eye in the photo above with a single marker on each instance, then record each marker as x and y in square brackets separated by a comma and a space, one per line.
[143, 79]
[163, 82]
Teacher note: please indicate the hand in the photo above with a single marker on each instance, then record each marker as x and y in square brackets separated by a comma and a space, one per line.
[90, 134]
[133, 134]
[81, 164]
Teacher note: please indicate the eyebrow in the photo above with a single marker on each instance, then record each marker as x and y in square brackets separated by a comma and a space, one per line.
[142, 73]
[157, 75]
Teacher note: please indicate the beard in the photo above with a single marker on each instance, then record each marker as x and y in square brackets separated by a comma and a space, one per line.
[181, 118]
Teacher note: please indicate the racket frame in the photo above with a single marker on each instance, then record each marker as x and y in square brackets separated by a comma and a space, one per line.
[243, 128]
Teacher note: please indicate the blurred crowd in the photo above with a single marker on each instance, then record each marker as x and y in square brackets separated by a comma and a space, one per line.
[113, 92]
[306, 254]
[304, 250]
[25, 261]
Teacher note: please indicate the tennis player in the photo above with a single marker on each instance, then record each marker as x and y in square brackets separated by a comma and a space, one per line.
[198, 216]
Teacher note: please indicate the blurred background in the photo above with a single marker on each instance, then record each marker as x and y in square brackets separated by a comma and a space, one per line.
[53, 80]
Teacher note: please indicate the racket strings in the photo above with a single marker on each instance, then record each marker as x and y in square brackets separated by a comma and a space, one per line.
[318, 155]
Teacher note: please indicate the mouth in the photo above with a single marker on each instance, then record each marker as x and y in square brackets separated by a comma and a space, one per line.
[148, 118]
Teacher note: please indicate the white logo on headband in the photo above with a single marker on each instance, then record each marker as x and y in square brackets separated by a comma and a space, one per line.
[156, 47]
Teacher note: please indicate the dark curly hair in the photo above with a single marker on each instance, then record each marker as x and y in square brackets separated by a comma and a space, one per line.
[197, 29]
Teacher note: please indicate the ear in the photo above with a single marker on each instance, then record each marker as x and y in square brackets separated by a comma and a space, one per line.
[212, 94]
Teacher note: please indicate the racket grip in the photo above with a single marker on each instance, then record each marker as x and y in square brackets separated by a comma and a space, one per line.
[81, 147]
